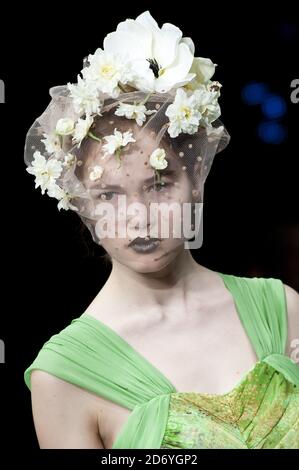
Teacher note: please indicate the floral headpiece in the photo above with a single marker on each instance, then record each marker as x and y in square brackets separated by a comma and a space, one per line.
[141, 72]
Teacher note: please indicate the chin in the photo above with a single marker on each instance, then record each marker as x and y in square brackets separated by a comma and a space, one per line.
[155, 261]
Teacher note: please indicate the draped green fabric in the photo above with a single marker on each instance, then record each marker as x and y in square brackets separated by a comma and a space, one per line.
[89, 354]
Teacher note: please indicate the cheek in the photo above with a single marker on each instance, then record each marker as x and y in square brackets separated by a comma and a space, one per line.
[113, 246]
[186, 186]
[180, 192]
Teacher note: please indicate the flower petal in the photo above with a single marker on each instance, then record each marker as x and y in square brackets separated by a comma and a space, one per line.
[189, 43]
[125, 44]
[204, 69]
[178, 71]
[166, 43]
[147, 20]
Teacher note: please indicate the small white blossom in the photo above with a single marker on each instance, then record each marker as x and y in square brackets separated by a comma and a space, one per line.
[52, 143]
[107, 70]
[117, 141]
[85, 96]
[63, 197]
[134, 111]
[69, 160]
[207, 96]
[65, 126]
[96, 173]
[45, 171]
[81, 129]
[158, 159]
[184, 114]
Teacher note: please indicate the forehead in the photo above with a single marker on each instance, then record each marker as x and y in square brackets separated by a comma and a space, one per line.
[135, 161]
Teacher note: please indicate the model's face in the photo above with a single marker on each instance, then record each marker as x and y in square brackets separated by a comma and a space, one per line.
[134, 181]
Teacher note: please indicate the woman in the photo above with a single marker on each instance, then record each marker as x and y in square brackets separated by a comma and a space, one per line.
[170, 354]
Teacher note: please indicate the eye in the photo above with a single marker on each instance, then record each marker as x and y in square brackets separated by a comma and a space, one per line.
[107, 196]
[158, 187]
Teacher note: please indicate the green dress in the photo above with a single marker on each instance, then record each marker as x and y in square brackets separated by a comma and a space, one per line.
[260, 412]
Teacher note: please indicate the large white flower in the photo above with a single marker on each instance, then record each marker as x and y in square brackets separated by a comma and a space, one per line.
[81, 129]
[107, 70]
[85, 96]
[45, 171]
[158, 159]
[52, 143]
[134, 111]
[117, 141]
[161, 57]
[64, 198]
[184, 114]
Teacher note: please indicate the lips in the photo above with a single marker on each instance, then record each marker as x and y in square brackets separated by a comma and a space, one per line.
[143, 241]
[144, 246]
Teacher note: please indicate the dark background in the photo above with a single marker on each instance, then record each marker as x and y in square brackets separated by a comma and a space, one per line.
[251, 221]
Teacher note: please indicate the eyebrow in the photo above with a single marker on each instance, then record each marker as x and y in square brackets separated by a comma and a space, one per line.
[166, 172]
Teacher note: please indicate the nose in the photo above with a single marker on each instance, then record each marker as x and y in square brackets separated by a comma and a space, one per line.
[138, 218]
[139, 222]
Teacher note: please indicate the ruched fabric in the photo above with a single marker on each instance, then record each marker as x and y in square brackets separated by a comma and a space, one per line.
[262, 411]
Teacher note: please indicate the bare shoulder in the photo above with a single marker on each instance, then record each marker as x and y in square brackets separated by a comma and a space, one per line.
[64, 415]
[292, 300]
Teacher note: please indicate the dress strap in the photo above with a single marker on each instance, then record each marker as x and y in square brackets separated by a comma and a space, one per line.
[261, 305]
[262, 308]
[88, 354]
[92, 356]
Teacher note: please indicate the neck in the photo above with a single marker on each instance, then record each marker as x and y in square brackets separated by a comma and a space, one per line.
[148, 289]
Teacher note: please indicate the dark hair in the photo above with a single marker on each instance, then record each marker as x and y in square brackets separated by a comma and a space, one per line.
[91, 249]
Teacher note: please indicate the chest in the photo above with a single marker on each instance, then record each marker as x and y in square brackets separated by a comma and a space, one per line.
[207, 353]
